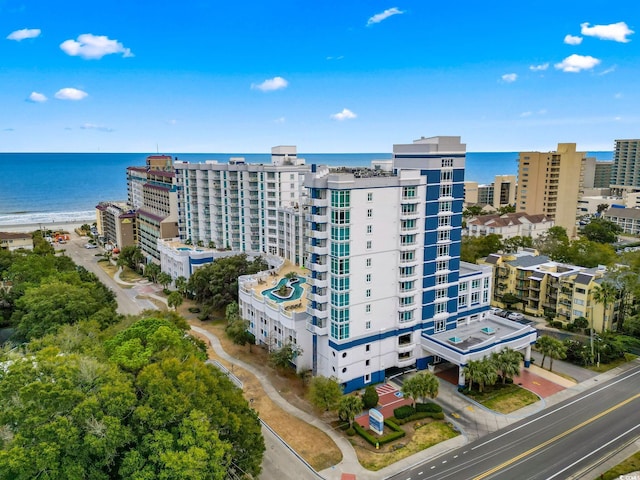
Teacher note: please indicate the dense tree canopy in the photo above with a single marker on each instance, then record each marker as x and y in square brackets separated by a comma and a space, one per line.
[601, 231]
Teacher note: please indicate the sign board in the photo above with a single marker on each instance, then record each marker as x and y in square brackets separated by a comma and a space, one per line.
[376, 421]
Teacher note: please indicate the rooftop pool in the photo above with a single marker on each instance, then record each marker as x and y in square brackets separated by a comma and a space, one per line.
[294, 294]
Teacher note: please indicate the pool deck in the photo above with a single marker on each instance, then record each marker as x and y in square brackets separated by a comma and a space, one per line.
[270, 281]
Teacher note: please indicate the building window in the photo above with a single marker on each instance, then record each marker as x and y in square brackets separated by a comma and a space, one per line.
[439, 325]
[368, 244]
[340, 198]
[367, 308]
[446, 190]
[475, 283]
[369, 197]
[369, 212]
[405, 316]
[369, 228]
[368, 262]
[444, 221]
[340, 266]
[406, 301]
[441, 279]
[367, 293]
[367, 326]
[408, 192]
[463, 286]
[441, 293]
[486, 282]
[340, 217]
[442, 265]
[485, 296]
[446, 175]
[407, 239]
[462, 301]
[440, 308]
[367, 278]
[406, 286]
[367, 347]
[443, 250]
[444, 207]
[444, 235]
[407, 256]
[475, 298]
[447, 162]
[340, 233]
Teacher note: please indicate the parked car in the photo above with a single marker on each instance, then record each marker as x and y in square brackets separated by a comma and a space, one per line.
[495, 310]
[90, 245]
[515, 316]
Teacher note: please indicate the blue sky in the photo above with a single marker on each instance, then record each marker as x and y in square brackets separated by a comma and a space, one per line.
[330, 76]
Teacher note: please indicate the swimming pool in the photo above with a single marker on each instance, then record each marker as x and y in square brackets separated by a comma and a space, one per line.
[296, 292]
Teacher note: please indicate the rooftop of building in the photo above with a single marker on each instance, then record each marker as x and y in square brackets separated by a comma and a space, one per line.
[262, 284]
[14, 235]
[467, 269]
[631, 213]
[482, 333]
[508, 219]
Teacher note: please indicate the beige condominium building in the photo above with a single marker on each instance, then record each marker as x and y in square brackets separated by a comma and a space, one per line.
[550, 183]
[555, 290]
[625, 174]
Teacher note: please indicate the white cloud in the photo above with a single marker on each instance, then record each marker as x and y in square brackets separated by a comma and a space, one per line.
[280, 120]
[92, 126]
[345, 114]
[36, 97]
[89, 46]
[617, 96]
[271, 84]
[576, 63]
[19, 35]
[538, 68]
[70, 94]
[614, 31]
[572, 40]
[526, 114]
[542, 111]
[509, 77]
[378, 17]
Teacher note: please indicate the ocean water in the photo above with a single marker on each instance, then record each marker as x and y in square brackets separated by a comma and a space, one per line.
[64, 187]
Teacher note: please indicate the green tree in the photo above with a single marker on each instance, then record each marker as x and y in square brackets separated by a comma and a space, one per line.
[174, 300]
[553, 243]
[581, 323]
[512, 244]
[483, 372]
[543, 344]
[370, 397]
[605, 294]
[152, 271]
[586, 253]
[601, 231]
[507, 362]
[181, 285]
[131, 256]
[472, 211]
[602, 207]
[238, 331]
[506, 209]
[557, 351]
[509, 299]
[324, 392]
[473, 248]
[421, 385]
[348, 407]
[285, 356]
[164, 279]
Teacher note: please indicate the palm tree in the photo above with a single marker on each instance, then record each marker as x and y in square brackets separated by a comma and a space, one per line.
[557, 350]
[472, 372]
[605, 293]
[174, 300]
[181, 284]
[164, 279]
[487, 374]
[348, 407]
[507, 362]
[544, 344]
[422, 385]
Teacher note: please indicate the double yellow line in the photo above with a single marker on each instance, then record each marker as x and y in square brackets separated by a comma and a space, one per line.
[557, 437]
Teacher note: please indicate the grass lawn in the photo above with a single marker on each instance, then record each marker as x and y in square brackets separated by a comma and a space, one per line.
[631, 464]
[608, 366]
[503, 398]
[129, 275]
[416, 440]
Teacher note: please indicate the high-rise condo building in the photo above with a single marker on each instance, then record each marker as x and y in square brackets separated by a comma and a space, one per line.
[550, 183]
[244, 207]
[625, 174]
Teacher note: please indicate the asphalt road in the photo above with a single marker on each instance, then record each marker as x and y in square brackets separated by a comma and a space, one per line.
[557, 443]
[88, 258]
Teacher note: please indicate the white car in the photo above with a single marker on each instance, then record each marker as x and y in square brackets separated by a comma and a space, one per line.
[90, 245]
[515, 316]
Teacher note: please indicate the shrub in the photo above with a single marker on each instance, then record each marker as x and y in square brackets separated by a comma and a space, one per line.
[419, 416]
[370, 397]
[194, 310]
[428, 407]
[396, 434]
[350, 432]
[403, 412]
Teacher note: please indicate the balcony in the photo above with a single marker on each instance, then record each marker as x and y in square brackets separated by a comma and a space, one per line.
[322, 329]
[320, 202]
[320, 250]
[320, 267]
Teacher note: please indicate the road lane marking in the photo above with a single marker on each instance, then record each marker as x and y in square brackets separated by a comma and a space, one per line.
[591, 453]
[554, 439]
[555, 411]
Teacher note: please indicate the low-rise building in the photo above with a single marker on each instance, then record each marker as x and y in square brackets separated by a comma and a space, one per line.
[15, 241]
[180, 260]
[628, 219]
[509, 225]
[558, 291]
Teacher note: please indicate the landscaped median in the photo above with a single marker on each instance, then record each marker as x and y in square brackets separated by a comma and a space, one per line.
[409, 431]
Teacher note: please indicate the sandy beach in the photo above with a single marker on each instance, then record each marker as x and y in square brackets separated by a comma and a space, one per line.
[54, 226]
